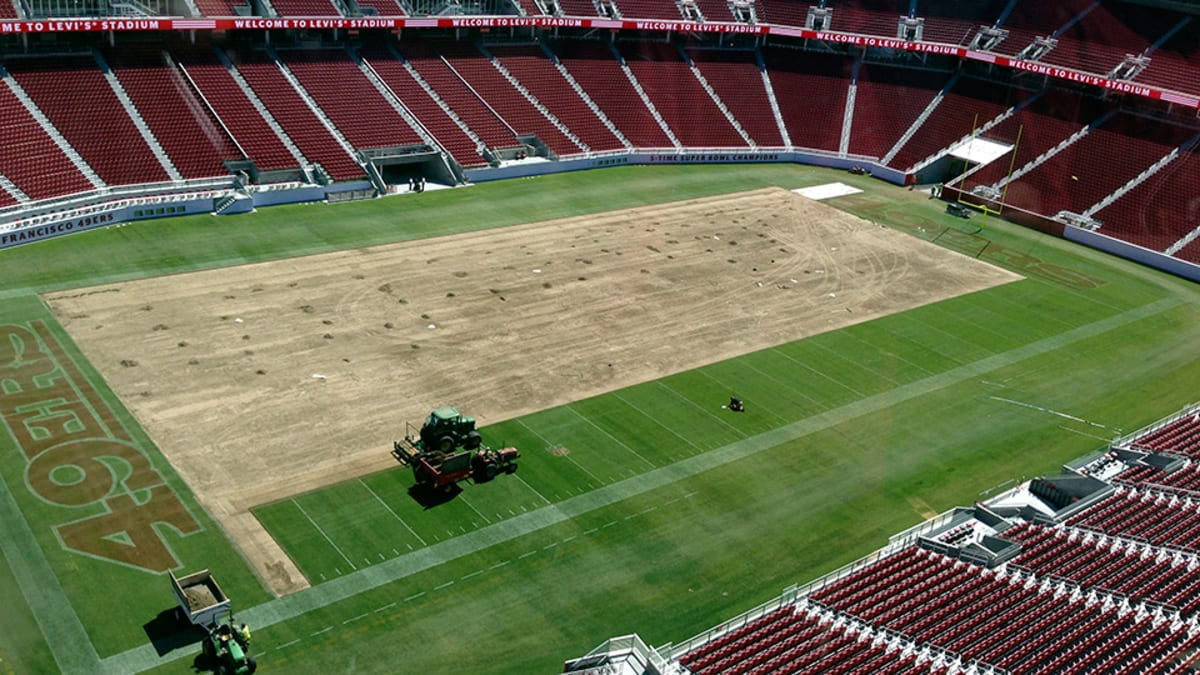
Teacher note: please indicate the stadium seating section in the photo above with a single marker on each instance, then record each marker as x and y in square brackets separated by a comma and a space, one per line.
[432, 115]
[101, 131]
[537, 73]
[459, 95]
[299, 122]
[508, 103]
[811, 90]
[190, 134]
[679, 97]
[1003, 619]
[32, 161]
[737, 80]
[887, 102]
[170, 110]
[352, 103]
[594, 67]
[215, 84]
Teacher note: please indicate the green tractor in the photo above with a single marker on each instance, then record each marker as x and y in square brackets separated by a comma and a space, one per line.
[445, 430]
[227, 650]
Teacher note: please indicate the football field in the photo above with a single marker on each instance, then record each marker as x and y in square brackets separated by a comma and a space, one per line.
[645, 508]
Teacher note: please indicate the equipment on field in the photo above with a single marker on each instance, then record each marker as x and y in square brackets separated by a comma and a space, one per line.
[201, 600]
[445, 429]
[448, 450]
[204, 604]
[736, 405]
[956, 209]
[227, 650]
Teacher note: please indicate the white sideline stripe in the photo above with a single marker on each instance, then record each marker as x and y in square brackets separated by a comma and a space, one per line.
[65, 635]
[380, 500]
[341, 588]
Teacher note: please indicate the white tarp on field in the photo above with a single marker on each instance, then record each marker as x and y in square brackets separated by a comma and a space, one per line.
[827, 191]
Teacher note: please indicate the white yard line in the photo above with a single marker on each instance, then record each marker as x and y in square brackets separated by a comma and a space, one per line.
[758, 405]
[697, 406]
[568, 457]
[463, 497]
[333, 591]
[385, 505]
[543, 498]
[620, 398]
[616, 440]
[804, 365]
[318, 528]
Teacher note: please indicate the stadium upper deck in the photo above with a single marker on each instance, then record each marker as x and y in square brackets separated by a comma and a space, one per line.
[845, 84]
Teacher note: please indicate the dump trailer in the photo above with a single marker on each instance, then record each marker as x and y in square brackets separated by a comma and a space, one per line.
[201, 600]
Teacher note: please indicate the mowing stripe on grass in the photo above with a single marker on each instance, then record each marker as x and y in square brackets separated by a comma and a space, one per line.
[64, 632]
[341, 588]
[843, 385]
[695, 405]
[653, 419]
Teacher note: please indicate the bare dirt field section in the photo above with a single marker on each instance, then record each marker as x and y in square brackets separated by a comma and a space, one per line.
[267, 380]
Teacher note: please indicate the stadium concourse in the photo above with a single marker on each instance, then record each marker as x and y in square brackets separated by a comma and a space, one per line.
[1096, 570]
[222, 107]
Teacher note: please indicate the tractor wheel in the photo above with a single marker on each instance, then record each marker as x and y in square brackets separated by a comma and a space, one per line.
[473, 441]
[489, 471]
[446, 444]
[511, 468]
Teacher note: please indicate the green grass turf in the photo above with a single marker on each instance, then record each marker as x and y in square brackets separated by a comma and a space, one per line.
[173, 245]
[851, 435]
[88, 582]
[23, 648]
[809, 504]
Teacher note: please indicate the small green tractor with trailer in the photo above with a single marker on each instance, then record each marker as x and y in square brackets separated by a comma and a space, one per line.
[448, 449]
[202, 603]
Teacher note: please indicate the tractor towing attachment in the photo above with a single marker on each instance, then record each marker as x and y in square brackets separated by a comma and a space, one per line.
[449, 450]
[202, 603]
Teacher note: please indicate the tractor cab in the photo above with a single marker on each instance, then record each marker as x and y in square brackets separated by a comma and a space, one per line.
[446, 429]
[956, 209]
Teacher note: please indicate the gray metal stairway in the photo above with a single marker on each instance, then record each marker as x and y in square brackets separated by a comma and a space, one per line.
[766, 78]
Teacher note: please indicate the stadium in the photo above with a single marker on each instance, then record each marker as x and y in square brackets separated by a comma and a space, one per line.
[846, 336]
